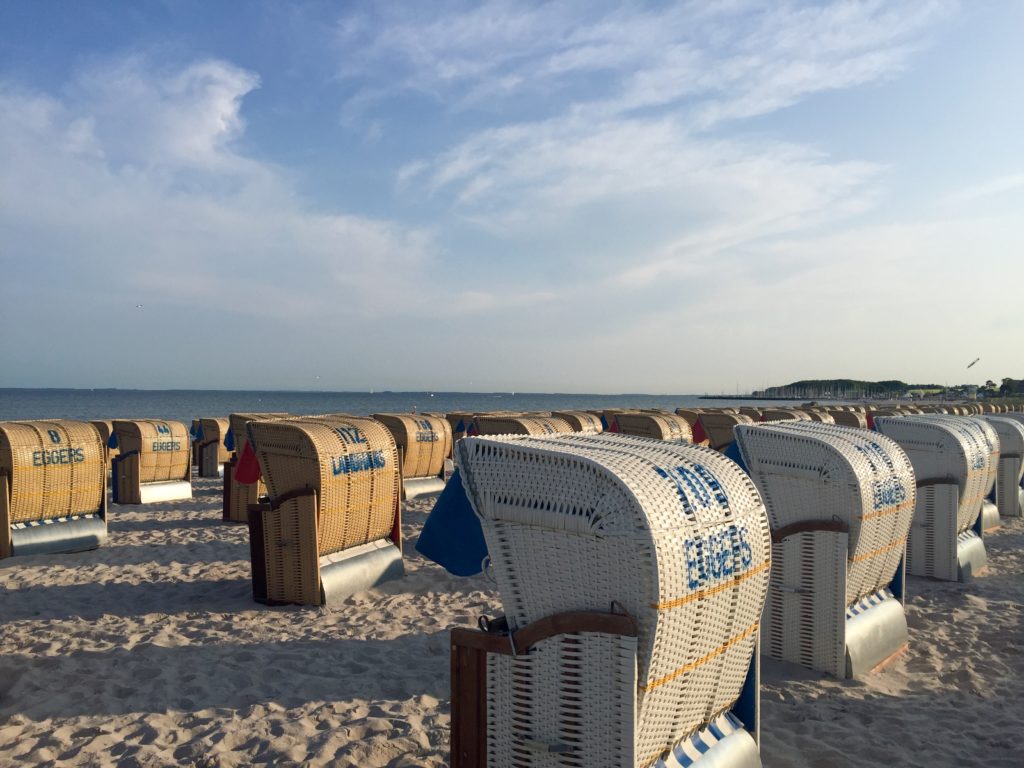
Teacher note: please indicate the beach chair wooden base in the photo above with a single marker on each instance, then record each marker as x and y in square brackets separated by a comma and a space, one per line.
[78, 533]
[210, 461]
[286, 567]
[807, 620]
[935, 549]
[496, 676]
[128, 489]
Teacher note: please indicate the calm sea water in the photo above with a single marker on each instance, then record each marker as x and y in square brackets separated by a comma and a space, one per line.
[185, 405]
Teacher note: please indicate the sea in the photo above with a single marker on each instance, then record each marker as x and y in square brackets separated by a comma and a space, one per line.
[187, 404]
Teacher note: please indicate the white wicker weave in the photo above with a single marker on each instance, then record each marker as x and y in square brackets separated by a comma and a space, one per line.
[861, 482]
[1011, 463]
[675, 534]
[946, 451]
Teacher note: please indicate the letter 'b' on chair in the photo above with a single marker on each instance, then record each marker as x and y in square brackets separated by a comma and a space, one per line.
[332, 526]
[53, 487]
[841, 501]
[155, 463]
[586, 533]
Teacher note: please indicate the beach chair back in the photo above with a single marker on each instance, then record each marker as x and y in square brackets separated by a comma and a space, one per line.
[155, 461]
[673, 535]
[655, 425]
[581, 421]
[718, 426]
[529, 424]
[52, 487]
[424, 442]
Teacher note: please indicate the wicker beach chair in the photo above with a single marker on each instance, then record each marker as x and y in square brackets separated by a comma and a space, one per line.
[783, 414]
[632, 574]
[155, 463]
[527, 424]
[845, 418]
[332, 525]
[950, 458]
[1009, 494]
[718, 426]
[655, 425]
[53, 487]
[424, 443]
[840, 502]
[581, 421]
[211, 452]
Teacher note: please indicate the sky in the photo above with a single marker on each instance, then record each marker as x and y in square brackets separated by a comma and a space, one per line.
[509, 196]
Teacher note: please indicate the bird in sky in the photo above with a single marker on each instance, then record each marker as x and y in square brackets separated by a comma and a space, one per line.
[974, 361]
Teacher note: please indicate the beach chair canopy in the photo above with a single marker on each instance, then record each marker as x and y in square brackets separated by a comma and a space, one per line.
[163, 448]
[527, 424]
[658, 425]
[581, 421]
[675, 535]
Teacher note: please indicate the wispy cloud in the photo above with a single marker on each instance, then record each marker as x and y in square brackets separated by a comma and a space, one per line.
[1009, 182]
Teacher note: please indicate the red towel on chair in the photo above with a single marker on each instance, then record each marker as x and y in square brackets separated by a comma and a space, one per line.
[248, 469]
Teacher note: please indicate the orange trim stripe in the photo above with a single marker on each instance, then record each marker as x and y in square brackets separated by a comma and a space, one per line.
[885, 512]
[701, 661]
[702, 593]
[869, 555]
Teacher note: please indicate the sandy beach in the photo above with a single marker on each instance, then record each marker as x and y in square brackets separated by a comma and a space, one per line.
[150, 651]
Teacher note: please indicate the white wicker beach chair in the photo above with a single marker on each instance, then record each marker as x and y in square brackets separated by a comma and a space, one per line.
[155, 462]
[632, 574]
[950, 458]
[1009, 494]
[53, 487]
[840, 501]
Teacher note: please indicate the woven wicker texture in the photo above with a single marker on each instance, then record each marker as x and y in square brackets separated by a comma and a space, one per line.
[1010, 432]
[213, 432]
[654, 425]
[240, 496]
[846, 418]
[581, 421]
[532, 424]
[352, 463]
[942, 447]
[676, 534]
[718, 426]
[821, 415]
[425, 441]
[163, 446]
[106, 429]
[787, 414]
[55, 468]
[809, 471]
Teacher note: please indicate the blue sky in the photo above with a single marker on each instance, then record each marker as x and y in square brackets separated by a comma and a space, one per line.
[590, 197]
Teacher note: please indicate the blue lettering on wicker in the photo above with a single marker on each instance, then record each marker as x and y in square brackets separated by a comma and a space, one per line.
[888, 492]
[875, 455]
[54, 435]
[357, 462]
[351, 435]
[979, 462]
[691, 486]
[166, 445]
[426, 435]
[163, 429]
[46, 458]
[717, 555]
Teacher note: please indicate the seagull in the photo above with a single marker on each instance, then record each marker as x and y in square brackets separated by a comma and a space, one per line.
[138, 306]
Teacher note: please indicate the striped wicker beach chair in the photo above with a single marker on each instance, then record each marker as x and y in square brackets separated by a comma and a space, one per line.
[211, 452]
[424, 444]
[840, 502]
[657, 425]
[238, 497]
[332, 525]
[632, 574]
[581, 421]
[53, 487]
[1009, 494]
[950, 458]
[155, 463]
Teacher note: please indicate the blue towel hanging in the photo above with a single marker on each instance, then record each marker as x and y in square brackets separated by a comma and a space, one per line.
[452, 536]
